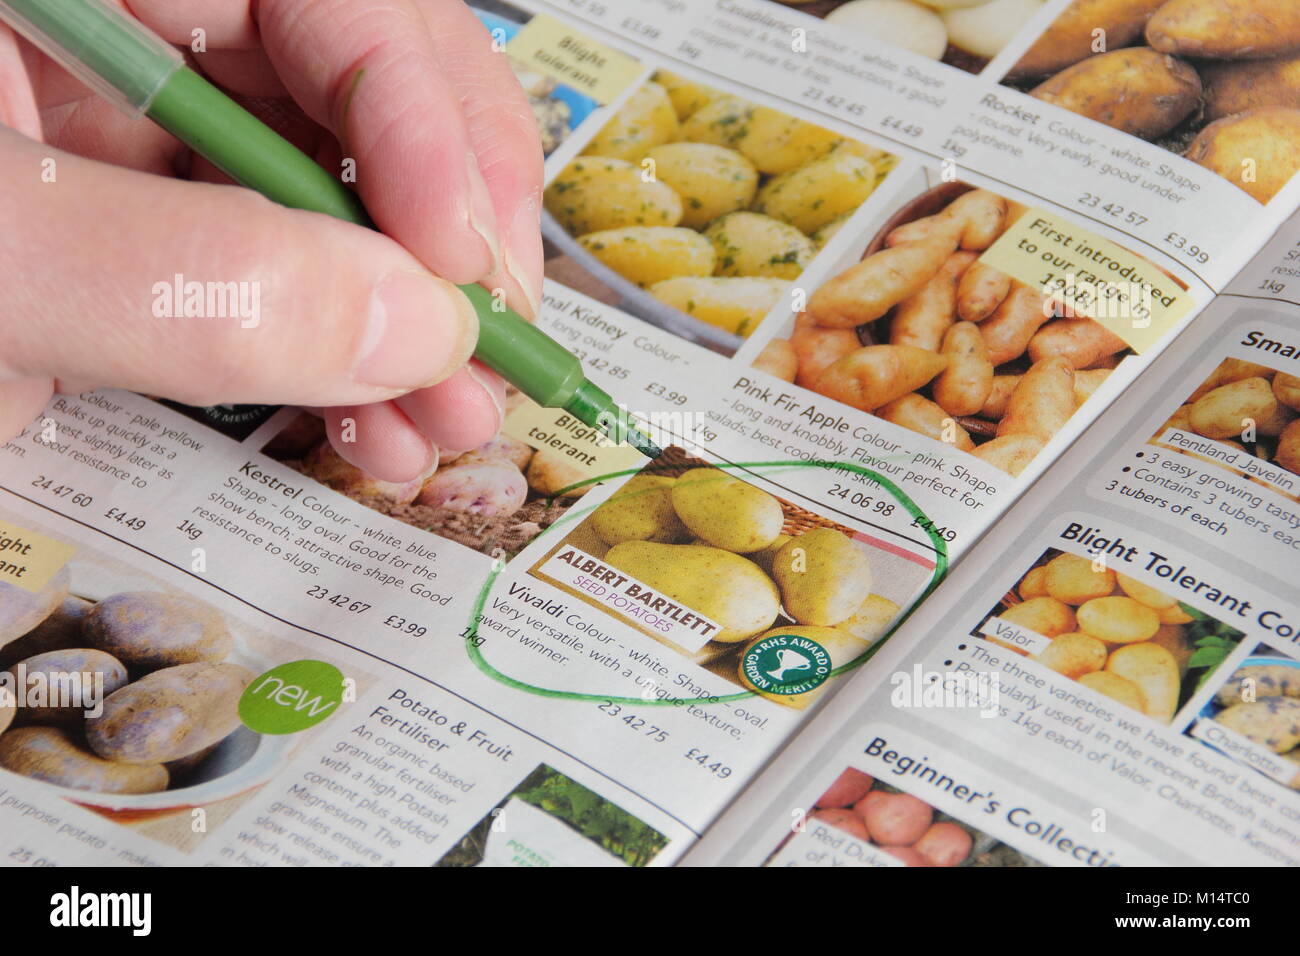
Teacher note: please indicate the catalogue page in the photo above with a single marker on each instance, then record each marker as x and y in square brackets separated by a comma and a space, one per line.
[1114, 681]
[864, 276]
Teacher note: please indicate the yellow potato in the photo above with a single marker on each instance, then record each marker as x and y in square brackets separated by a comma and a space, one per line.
[1144, 593]
[750, 244]
[1010, 453]
[1072, 36]
[1034, 583]
[1288, 448]
[866, 291]
[1225, 29]
[811, 196]
[711, 180]
[1008, 331]
[1074, 655]
[1154, 672]
[1231, 409]
[965, 385]
[870, 621]
[778, 358]
[1240, 85]
[1043, 615]
[777, 143]
[995, 406]
[824, 576]
[594, 193]
[1042, 402]
[1286, 389]
[721, 121]
[818, 348]
[1174, 615]
[1083, 342]
[1228, 371]
[1074, 580]
[687, 96]
[1173, 638]
[1115, 687]
[649, 254]
[1136, 90]
[736, 305]
[726, 512]
[1088, 381]
[877, 374]
[917, 413]
[922, 319]
[642, 510]
[981, 290]
[646, 120]
[1118, 620]
[1258, 151]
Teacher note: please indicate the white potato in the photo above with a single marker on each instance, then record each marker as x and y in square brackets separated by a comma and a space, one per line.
[985, 29]
[897, 22]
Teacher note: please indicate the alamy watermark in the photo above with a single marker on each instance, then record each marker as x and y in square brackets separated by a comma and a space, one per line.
[180, 298]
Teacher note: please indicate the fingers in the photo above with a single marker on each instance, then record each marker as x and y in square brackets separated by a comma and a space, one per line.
[503, 130]
[380, 440]
[210, 294]
[461, 413]
[17, 104]
[20, 402]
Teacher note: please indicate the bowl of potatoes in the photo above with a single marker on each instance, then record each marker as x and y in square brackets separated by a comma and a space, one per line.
[696, 209]
[161, 730]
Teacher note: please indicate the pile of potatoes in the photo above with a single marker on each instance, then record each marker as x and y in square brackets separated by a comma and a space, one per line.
[710, 202]
[1116, 636]
[1249, 406]
[1171, 64]
[979, 29]
[170, 696]
[715, 544]
[900, 824]
[1262, 703]
[488, 484]
[971, 352]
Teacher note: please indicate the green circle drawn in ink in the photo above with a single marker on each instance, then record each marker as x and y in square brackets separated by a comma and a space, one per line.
[479, 661]
[292, 697]
[786, 664]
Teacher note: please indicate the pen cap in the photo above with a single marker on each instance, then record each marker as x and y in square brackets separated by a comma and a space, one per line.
[106, 49]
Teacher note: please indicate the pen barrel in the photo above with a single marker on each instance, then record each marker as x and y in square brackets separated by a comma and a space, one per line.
[523, 354]
[108, 50]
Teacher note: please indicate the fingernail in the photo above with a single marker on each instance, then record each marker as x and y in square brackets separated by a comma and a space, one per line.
[482, 214]
[523, 253]
[419, 331]
[494, 390]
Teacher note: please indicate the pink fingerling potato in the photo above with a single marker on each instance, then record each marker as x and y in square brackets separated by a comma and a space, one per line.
[944, 844]
[899, 819]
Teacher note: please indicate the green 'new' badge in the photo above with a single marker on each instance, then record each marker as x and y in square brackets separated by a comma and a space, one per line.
[291, 697]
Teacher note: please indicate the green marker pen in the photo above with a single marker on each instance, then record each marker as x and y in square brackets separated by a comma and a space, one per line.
[126, 63]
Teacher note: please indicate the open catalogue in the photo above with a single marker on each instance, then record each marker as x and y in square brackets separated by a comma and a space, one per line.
[971, 334]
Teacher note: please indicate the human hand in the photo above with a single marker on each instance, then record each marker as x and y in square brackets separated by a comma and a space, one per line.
[364, 326]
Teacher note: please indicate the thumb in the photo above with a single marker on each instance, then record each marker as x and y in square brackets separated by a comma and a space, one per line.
[205, 293]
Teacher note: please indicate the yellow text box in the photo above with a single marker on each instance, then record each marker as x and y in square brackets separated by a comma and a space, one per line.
[588, 66]
[585, 449]
[28, 560]
[1092, 277]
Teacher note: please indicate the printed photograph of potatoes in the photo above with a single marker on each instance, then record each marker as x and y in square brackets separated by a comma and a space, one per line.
[1259, 706]
[962, 33]
[904, 827]
[695, 210]
[1116, 636]
[918, 331]
[1252, 408]
[167, 671]
[709, 565]
[1215, 81]
[495, 498]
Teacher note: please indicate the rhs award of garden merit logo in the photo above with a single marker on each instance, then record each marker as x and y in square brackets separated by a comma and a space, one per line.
[787, 664]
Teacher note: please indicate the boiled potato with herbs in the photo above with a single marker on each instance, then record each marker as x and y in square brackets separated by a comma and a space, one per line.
[169, 714]
[150, 629]
[594, 193]
[646, 120]
[750, 244]
[726, 512]
[52, 755]
[1118, 620]
[777, 143]
[688, 97]
[720, 585]
[823, 575]
[827, 232]
[711, 180]
[721, 121]
[1273, 722]
[1075, 580]
[642, 510]
[813, 195]
[736, 305]
[649, 254]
